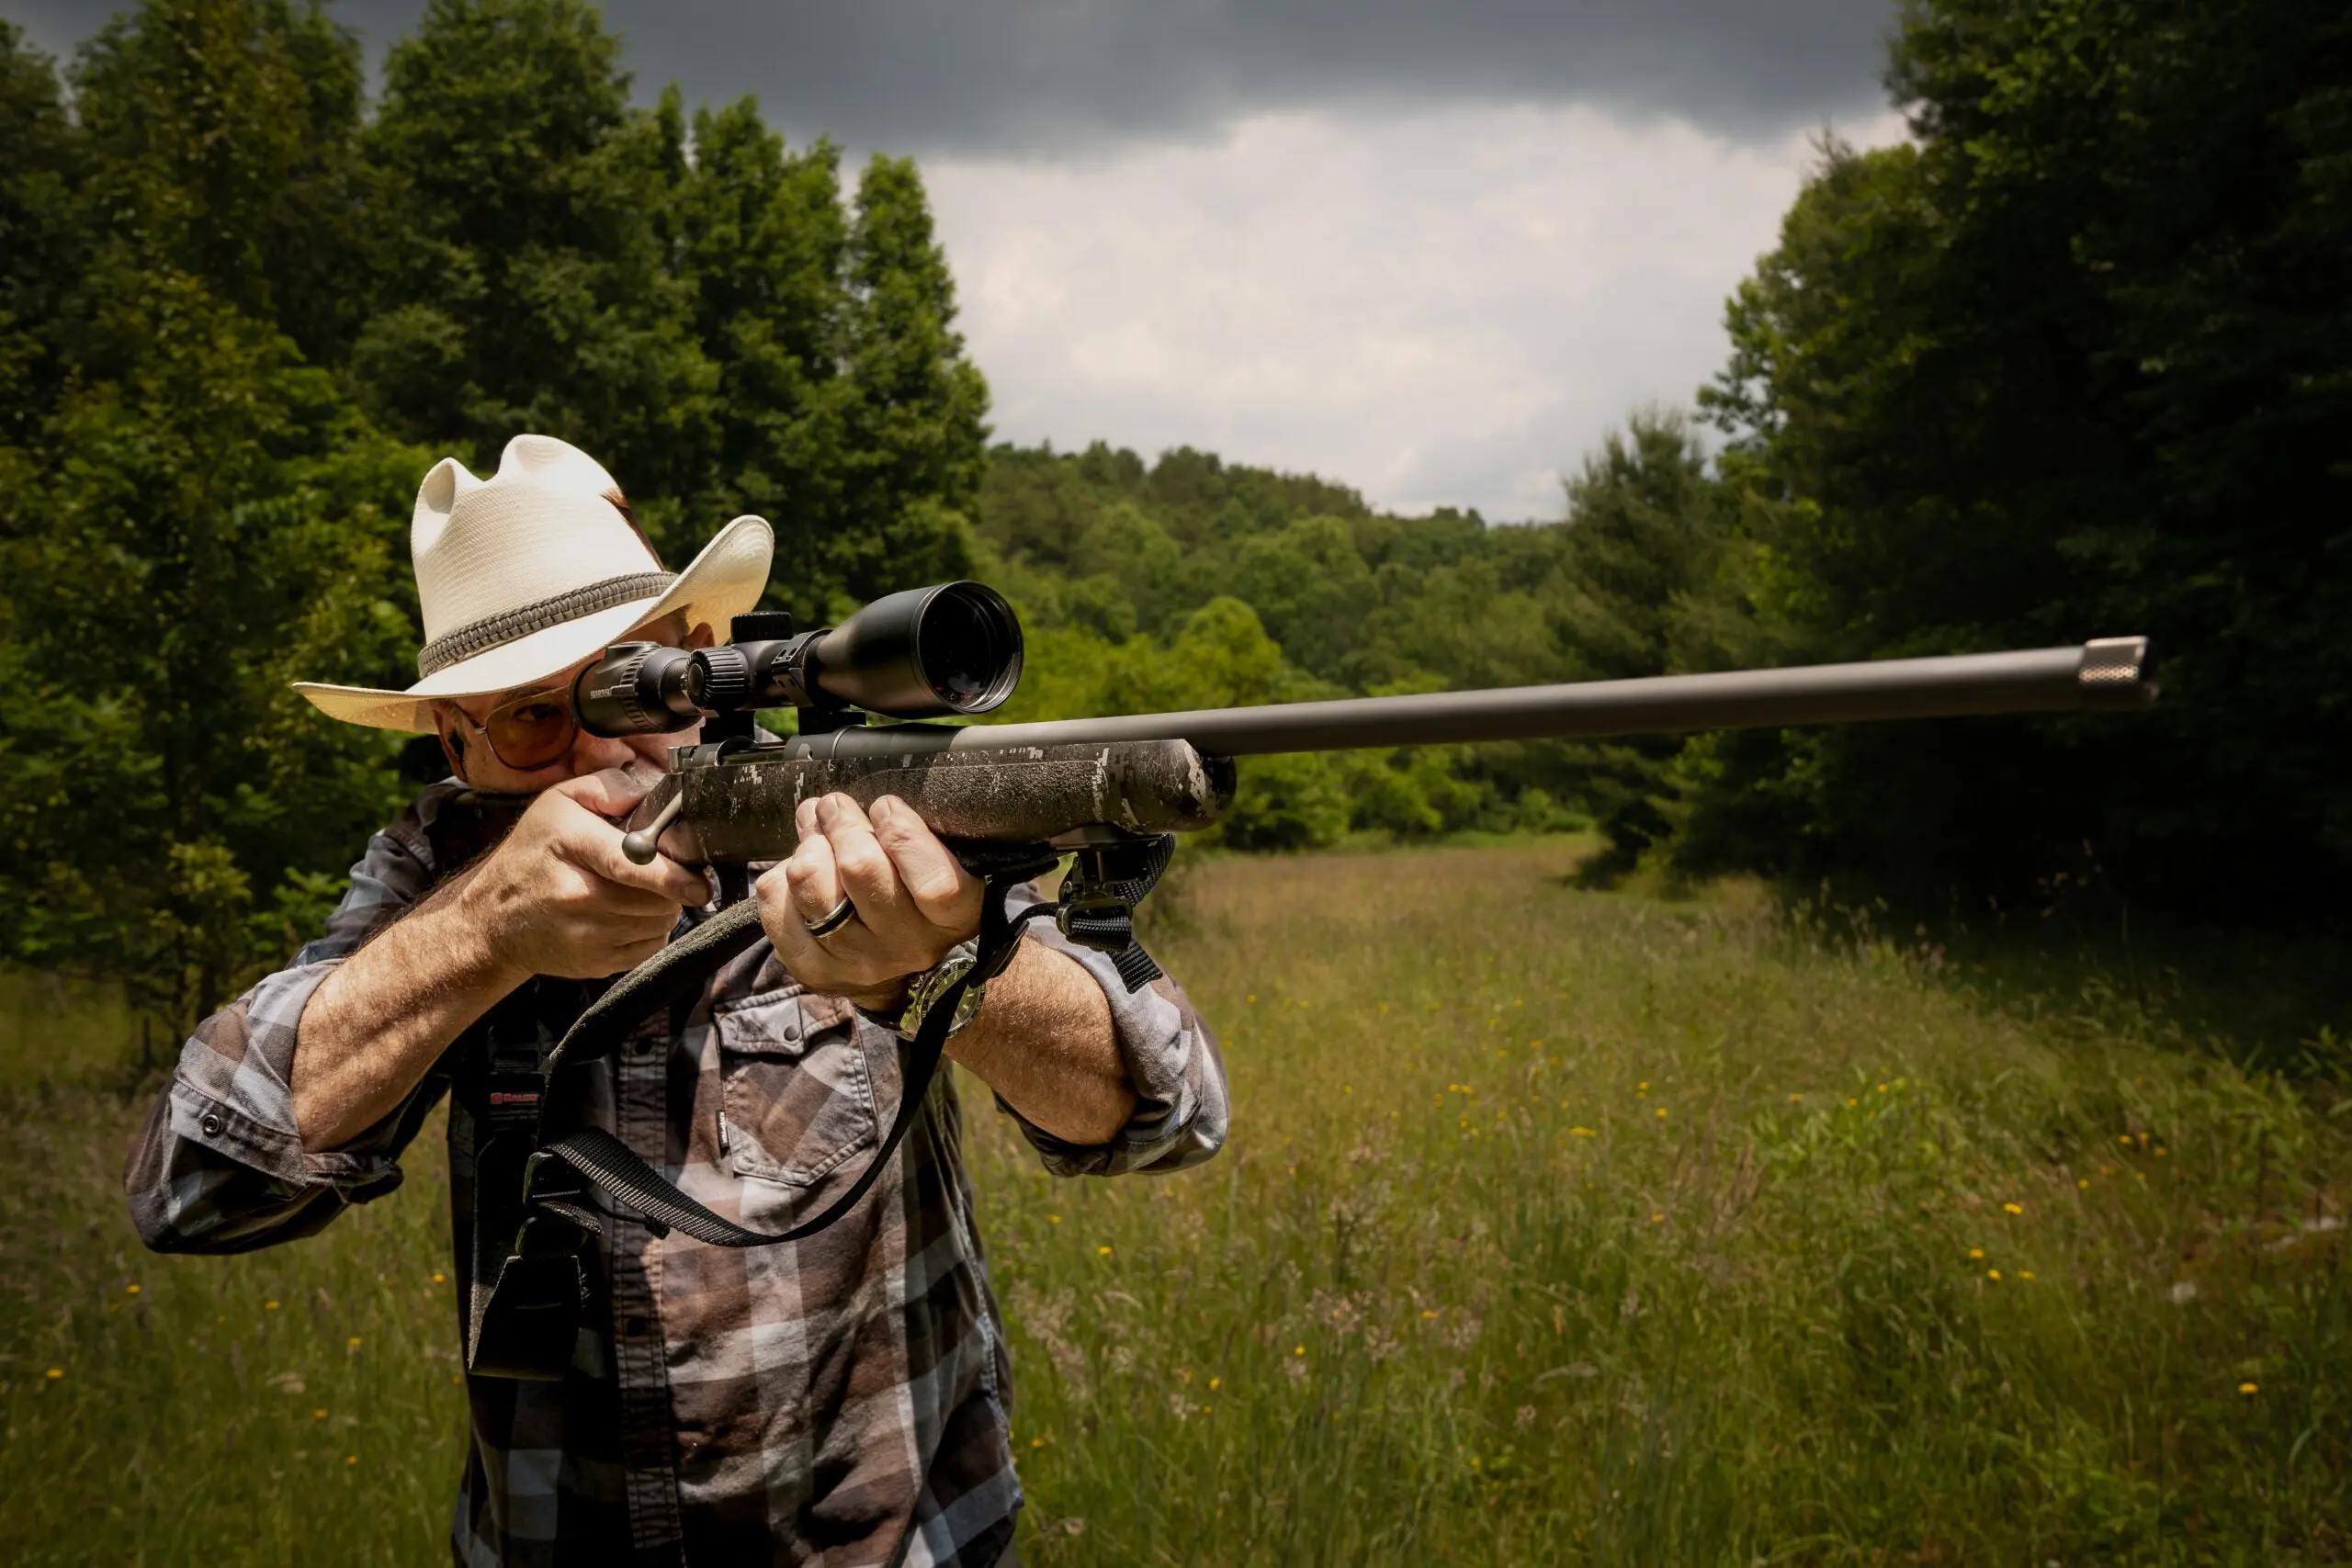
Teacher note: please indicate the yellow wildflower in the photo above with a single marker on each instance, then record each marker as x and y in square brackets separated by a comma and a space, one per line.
[2025, 1273]
[56, 1372]
[351, 1459]
[2013, 1208]
[1581, 1132]
[354, 1342]
[130, 1290]
[318, 1415]
[1661, 1113]
[1976, 1252]
[2243, 1388]
[1213, 1382]
[1992, 1274]
[1298, 1349]
[269, 1306]
[1102, 1252]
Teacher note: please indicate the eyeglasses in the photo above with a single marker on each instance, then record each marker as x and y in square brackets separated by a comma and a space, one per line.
[529, 732]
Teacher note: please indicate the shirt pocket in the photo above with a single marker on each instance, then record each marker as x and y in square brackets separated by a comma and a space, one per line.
[797, 1093]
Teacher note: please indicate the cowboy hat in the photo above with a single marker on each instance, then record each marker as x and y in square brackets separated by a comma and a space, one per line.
[524, 574]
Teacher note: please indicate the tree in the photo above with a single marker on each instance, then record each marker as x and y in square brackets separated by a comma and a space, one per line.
[763, 239]
[525, 275]
[39, 239]
[197, 517]
[218, 142]
[914, 437]
[2075, 365]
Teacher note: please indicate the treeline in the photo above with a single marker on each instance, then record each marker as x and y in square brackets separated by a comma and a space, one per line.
[1193, 583]
[2075, 360]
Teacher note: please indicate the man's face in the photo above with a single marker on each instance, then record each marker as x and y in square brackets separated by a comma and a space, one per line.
[461, 719]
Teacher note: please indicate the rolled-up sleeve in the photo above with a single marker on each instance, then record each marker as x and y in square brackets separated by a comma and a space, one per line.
[218, 1165]
[1172, 1064]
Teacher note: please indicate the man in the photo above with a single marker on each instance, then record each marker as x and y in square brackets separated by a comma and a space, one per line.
[840, 1399]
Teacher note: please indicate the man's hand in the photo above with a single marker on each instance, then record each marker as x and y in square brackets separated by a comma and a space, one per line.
[914, 900]
[559, 897]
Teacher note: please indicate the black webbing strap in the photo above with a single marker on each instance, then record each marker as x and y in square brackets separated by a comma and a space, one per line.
[677, 973]
[525, 1321]
[613, 1168]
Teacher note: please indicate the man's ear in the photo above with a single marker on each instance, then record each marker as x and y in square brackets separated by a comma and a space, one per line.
[701, 636]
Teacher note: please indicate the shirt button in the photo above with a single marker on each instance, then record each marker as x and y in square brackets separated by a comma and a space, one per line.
[645, 1047]
[634, 1327]
[213, 1126]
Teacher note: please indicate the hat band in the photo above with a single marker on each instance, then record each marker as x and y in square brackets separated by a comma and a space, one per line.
[513, 626]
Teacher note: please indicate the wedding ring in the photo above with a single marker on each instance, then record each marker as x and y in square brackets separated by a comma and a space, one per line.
[833, 919]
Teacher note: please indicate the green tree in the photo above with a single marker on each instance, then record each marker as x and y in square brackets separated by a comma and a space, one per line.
[526, 283]
[914, 440]
[39, 239]
[195, 514]
[2073, 364]
[219, 142]
[765, 239]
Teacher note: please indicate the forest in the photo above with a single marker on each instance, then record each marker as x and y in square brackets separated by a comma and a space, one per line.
[2074, 359]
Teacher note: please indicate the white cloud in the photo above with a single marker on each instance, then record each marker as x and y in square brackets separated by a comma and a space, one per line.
[1441, 307]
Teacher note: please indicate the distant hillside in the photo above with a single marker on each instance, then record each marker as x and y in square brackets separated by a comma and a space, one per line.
[1190, 582]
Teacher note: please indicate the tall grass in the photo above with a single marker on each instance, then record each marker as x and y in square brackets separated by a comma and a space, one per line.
[1555, 1227]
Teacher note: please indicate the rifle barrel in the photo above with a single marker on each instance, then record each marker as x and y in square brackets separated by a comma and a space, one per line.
[2106, 673]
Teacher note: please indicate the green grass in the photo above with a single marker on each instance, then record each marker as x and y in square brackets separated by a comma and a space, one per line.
[1457, 1292]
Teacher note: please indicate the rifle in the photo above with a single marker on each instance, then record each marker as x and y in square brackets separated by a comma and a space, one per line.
[1009, 800]
[1098, 785]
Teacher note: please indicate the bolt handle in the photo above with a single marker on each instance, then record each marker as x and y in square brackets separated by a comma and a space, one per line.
[645, 843]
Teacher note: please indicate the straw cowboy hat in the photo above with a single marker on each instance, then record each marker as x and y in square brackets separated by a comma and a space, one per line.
[525, 573]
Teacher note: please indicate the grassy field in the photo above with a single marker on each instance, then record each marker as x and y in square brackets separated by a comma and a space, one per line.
[1555, 1227]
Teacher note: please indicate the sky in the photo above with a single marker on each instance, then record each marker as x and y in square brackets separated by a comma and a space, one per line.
[1433, 250]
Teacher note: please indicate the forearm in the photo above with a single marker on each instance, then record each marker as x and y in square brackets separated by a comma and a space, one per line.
[1043, 1040]
[376, 1025]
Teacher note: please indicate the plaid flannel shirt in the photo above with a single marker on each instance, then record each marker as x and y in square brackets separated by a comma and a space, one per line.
[839, 1399]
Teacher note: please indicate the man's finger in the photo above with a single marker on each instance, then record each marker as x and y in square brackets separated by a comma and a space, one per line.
[936, 883]
[610, 792]
[811, 878]
[867, 874]
[594, 844]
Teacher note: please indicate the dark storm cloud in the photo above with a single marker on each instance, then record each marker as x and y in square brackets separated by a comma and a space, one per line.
[1064, 76]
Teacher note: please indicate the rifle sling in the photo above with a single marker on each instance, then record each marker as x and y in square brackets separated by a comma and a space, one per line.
[525, 1320]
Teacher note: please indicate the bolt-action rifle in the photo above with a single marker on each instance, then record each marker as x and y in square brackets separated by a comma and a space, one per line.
[1011, 799]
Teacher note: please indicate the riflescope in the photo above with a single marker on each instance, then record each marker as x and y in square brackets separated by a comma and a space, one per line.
[925, 653]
